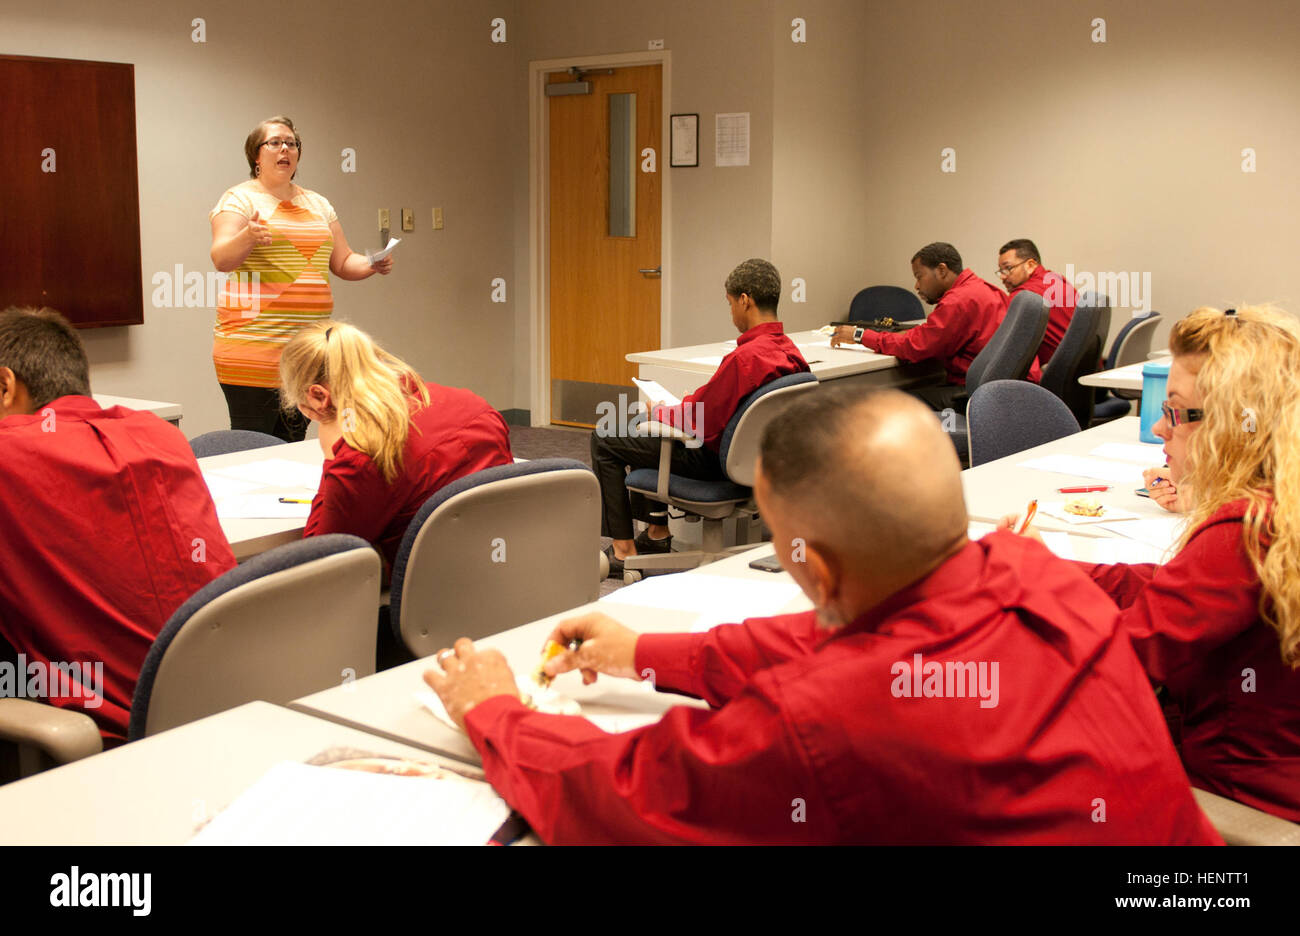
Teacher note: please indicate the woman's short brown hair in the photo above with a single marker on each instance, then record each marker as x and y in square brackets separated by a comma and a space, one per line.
[254, 141]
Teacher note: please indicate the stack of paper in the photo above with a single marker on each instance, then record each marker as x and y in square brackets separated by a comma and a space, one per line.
[1082, 466]
[297, 804]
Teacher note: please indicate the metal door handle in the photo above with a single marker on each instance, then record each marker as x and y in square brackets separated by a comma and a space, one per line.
[658, 269]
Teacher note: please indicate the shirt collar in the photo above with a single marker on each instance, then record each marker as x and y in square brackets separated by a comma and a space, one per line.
[955, 574]
[763, 328]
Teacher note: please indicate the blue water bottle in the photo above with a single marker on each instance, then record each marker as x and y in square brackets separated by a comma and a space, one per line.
[1155, 379]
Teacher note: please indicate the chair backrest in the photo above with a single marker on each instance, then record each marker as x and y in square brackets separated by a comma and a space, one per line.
[294, 620]
[876, 302]
[496, 549]
[1077, 356]
[1133, 343]
[225, 441]
[1011, 350]
[738, 448]
[1008, 416]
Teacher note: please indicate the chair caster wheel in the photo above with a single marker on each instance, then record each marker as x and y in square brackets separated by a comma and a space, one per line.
[631, 576]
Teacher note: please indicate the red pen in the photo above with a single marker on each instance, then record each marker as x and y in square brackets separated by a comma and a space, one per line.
[1084, 490]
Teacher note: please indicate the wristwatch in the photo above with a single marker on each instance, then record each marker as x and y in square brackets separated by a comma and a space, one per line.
[858, 332]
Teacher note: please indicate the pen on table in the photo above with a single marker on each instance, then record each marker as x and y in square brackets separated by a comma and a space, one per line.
[1029, 516]
[1083, 490]
[293, 500]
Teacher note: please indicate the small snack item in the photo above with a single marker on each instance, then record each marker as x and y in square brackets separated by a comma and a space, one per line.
[549, 652]
[1084, 507]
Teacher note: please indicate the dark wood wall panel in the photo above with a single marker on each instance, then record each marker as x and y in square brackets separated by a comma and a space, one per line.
[70, 239]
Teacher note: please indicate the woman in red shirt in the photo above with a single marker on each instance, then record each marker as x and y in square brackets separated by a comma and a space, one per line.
[391, 440]
[1219, 625]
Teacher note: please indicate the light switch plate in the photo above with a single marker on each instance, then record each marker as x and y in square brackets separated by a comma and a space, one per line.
[656, 44]
[437, 219]
[408, 219]
[384, 224]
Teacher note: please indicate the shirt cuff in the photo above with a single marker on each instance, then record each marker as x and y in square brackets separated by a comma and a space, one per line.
[480, 720]
[668, 661]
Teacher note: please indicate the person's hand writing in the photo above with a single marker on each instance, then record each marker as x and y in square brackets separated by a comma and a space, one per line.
[466, 676]
[1011, 522]
[258, 232]
[1160, 485]
[607, 647]
[843, 335]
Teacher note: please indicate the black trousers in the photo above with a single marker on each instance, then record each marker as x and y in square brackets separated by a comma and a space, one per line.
[258, 410]
[612, 455]
[941, 397]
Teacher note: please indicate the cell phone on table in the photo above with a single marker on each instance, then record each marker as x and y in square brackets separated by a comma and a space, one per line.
[1142, 492]
[767, 564]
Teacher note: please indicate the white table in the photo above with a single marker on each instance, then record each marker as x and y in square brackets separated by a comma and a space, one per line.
[159, 790]
[998, 488]
[385, 702]
[1128, 377]
[168, 411]
[250, 537]
[683, 370]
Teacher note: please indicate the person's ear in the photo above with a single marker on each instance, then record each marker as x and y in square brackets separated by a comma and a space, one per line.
[11, 394]
[318, 395]
[824, 574]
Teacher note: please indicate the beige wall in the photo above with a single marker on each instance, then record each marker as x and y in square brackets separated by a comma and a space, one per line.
[1122, 157]
[1117, 157]
[416, 88]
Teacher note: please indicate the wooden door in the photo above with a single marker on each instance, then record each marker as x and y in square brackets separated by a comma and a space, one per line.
[602, 305]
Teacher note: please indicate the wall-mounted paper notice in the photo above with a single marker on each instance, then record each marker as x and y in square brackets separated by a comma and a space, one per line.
[731, 139]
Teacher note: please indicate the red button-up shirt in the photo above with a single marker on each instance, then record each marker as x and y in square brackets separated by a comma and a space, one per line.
[762, 354]
[844, 738]
[457, 434]
[107, 528]
[962, 323]
[1195, 625]
[1061, 300]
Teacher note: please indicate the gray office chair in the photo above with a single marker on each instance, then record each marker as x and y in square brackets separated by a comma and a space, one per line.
[1077, 356]
[1007, 356]
[712, 502]
[876, 302]
[225, 441]
[1131, 345]
[1240, 824]
[1009, 416]
[496, 549]
[292, 621]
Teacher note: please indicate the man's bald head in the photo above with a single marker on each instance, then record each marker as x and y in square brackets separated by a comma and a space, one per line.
[869, 476]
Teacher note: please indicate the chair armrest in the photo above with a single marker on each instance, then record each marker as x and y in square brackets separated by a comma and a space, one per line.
[62, 734]
[667, 435]
[1240, 824]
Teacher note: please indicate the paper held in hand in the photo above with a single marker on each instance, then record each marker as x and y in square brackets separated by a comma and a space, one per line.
[374, 256]
[655, 392]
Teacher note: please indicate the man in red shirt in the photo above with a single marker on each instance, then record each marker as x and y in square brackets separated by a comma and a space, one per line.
[107, 525]
[967, 311]
[944, 691]
[762, 354]
[1020, 267]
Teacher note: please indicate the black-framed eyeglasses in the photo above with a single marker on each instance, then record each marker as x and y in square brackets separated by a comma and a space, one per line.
[278, 144]
[1004, 271]
[1180, 417]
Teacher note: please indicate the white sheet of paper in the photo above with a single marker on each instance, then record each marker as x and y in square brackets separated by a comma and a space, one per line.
[1058, 541]
[826, 345]
[300, 804]
[731, 139]
[1159, 532]
[655, 392]
[1109, 550]
[373, 256]
[220, 487]
[260, 507]
[717, 597]
[1140, 453]
[275, 473]
[1057, 509]
[1082, 466]
[612, 723]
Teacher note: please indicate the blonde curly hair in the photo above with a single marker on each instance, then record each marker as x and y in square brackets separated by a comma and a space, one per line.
[1248, 446]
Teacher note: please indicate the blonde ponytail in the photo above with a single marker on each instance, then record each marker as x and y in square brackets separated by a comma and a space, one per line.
[373, 393]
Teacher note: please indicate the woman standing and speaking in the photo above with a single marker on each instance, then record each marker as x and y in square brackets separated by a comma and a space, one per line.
[291, 239]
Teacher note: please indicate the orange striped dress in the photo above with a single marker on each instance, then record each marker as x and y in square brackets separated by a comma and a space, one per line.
[258, 315]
